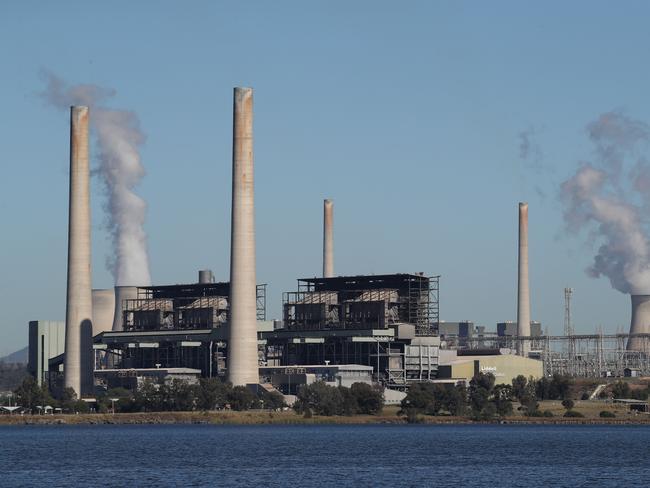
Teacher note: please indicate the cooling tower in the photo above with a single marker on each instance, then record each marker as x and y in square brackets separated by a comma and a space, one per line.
[640, 322]
[103, 310]
[122, 293]
[78, 371]
[328, 239]
[242, 342]
[523, 291]
[206, 276]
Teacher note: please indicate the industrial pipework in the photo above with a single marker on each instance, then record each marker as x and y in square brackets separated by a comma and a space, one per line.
[242, 343]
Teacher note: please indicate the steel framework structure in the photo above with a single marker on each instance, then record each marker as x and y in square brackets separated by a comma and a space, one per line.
[579, 355]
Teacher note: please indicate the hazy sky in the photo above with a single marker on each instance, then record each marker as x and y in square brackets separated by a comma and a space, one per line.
[407, 114]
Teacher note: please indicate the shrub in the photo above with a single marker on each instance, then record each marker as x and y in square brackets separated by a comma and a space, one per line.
[606, 414]
[584, 396]
[621, 390]
[320, 399]
[573, 414]
[412, 416]
[212, 393]
[241, 398]
[568, 404]
[273, 400]
[369, 400]
[547, 413]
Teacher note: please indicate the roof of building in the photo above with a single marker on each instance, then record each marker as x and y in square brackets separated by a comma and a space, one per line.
[358, 282]
[152, 370]
[349, 367]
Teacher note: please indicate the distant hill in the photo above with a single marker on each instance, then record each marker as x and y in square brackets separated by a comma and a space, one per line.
[16, 357]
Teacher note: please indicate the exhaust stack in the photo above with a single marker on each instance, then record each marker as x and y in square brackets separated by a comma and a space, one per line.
[243, 366]
[523, 292]
[640, 322]
[78, 319]
[206, 276]
[328, 239]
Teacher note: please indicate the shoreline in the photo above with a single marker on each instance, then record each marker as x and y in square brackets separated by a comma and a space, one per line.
[290, 418]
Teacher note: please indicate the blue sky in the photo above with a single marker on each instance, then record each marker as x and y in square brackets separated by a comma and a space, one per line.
[407, 114]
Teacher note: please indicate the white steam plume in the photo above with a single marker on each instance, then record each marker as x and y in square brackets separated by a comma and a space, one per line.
[118, 138]
[609, 197]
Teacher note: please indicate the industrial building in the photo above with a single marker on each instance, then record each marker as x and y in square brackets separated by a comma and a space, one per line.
[509, 329]
[382, 328]
[46, 341]
[463, 365]
[172, 326]
[288, 379]
[131, 379]
[456, 333]
[388, 322]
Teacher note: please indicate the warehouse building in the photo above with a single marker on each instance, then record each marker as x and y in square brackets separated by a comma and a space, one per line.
[463, 365]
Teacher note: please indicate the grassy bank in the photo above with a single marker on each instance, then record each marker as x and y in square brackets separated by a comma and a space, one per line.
[590, 410]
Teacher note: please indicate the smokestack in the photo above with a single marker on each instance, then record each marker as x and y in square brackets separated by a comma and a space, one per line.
[206, 276]
[103, 310]
[640, 322]
[243, 365]
[328, 239]
[78, 319]
[523, 293]
[122, 293]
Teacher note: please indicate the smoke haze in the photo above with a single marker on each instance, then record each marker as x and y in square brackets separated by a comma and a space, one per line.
[118, 137]
[609, 198]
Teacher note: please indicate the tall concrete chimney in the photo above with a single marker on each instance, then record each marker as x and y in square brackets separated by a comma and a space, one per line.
[122, 293]
[328, 239]
[78, 319]
[640, 323]
[523, 293]
[243, 367]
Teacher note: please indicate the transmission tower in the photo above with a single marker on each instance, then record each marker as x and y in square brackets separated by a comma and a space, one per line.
[568, 328]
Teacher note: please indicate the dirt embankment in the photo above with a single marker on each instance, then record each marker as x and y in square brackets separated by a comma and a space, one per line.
[590, 410]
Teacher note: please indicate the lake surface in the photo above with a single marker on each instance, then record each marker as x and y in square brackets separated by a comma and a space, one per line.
[330, 455]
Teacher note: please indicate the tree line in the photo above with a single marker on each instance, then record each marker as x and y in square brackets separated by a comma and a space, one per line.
[483, 399]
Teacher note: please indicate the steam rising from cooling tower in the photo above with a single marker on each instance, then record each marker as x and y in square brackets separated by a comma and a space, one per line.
[328, 239]
[118, 138]
[609, 197]
[243, 367]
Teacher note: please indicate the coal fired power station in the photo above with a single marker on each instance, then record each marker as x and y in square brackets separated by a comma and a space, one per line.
[382, 327]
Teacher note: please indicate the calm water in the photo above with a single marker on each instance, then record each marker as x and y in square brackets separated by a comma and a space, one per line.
[318, 456]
